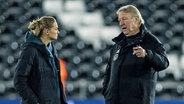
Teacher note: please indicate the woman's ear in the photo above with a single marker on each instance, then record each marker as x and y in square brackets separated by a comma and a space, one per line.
[46, 31]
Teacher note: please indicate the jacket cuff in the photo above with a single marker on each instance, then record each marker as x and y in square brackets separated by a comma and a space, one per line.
[149, 55]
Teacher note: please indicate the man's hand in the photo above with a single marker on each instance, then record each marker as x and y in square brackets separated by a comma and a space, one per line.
[139, 52]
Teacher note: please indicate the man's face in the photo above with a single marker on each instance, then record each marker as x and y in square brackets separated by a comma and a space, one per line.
[128, 23]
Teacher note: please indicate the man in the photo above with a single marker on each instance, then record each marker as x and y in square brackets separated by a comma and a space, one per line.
[135, 59]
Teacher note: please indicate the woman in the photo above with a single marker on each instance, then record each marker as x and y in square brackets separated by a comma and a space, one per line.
[37, 77]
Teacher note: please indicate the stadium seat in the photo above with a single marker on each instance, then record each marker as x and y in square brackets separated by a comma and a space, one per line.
[72, 89]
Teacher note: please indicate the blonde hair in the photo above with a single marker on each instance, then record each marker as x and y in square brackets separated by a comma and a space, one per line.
[39, 24]
[133, 10]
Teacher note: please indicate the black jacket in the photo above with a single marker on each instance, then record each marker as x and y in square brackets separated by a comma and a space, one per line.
[34, 79]
[129, 79]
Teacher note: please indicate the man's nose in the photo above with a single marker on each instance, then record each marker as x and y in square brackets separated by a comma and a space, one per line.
[121, 23]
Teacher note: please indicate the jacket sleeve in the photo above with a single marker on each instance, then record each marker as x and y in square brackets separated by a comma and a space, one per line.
[106, 78]
[157, 57]
[107, 74]
[22, 73]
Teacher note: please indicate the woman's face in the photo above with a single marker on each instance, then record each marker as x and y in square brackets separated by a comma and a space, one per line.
[53, 32]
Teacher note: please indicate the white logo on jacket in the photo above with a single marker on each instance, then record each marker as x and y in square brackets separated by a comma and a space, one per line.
[116, 55]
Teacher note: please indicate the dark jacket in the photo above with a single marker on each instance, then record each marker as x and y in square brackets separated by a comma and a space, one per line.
[37, 77]
[129, 79]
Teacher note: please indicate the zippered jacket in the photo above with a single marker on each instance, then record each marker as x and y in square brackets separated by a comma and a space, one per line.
[128, 78]
[37, 78]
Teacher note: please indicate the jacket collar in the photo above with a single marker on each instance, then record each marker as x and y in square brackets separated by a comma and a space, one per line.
[30, 38]
[120, 39]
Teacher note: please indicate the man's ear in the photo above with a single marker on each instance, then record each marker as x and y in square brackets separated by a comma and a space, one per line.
[136, 19]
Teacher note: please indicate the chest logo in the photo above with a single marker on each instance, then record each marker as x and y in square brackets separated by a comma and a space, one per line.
[116, 55]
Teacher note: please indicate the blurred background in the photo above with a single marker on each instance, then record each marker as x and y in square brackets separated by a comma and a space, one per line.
[86, 29]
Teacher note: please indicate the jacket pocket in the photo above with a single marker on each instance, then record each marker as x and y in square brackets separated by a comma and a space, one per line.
[28, 101]
[107, 93]
[48, 101]
[131, 88]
